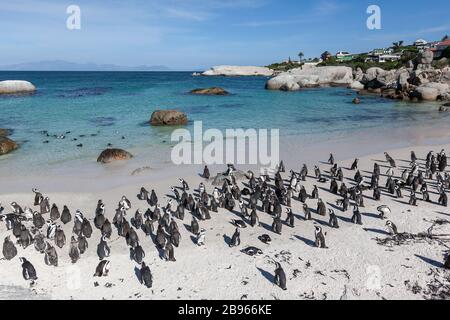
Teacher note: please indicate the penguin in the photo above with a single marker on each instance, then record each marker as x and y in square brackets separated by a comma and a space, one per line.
[60, 237]
[45, 205]
[181, 208]
[25, 238]
[28, 214]
[137, 254]
[78, 223]
[103, 250]
[146, 275]
[239, 223]
[290, 218]
[391, 227]
[280, 277]
[384, 211]
[356, 218]
[54, 212]
[281, 167]
[413, 199]
[413, 157]
[206, 173]
[333, 222]
[161, 237]
[254, 219]
[51, 229]
[99, 218]
[315, 193]
[82, 244]
[320, 238]
[148, 227]
[307, 212]
[235, 239]
[200, 240]
[39, 242]
[184, 184]
[74, 253]
[37, 197]
[443, 199]
[102, 268]
[143, 194]
[265, 238]
[169, 252]
[176, 193]
[28, 270]
[354, 165]
[9, 249]
[16, 208]
[334, 187]
[107, 229]
[175, 237]
[51, 256]
[194, 225]
[86, 228]
[66, 217]
[331, 159]
[376, 194]
[398, 191]
[38, 220]
[390, 160]
[321, 208]
[153, 200]
[276, 225]
[252, 251]
[132, 238]
[125, 203]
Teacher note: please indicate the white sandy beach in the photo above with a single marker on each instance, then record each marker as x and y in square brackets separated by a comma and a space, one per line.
[354, 266]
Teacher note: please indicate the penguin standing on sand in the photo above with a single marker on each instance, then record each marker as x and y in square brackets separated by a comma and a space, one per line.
[280, 276]
[331, 159]
[354, 165]
[39, 242]
[60, 237]
[320, 238]
[74, 253]
[236, 238]
[9, 249]
[66, 217]
[391, 227]
[51, 256]
[137, 254]
[54, 212]
[443, 199]
[356, 218]
[143, 194]
[333, 222]
[321, 208]
[28, 270]
[102, 269]
[169, 252]
[290, 218]
[37, 197]
[413, 199]
[384, 211]
[45, 205]
[82, 244]
[254, 219]
[103, 250]
[307, 212]
[146, 275]
[194, 225]
[206, 173]
[201, 237]
[277, 225]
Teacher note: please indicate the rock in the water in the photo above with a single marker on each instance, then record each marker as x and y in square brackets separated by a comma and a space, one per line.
[4, 132]
[311, 77]
[7, 145]
[443, 109]
[168, 118]
[16, 87]
[215, 91]
[356, 100]
[431, 91]
[234, 71]
[356, 85]
[110, 155]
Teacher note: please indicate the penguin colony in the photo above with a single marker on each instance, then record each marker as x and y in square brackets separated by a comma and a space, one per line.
[41, 225]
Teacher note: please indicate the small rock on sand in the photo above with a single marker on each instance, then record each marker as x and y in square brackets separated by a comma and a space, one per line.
[7, 145]
[110, 155]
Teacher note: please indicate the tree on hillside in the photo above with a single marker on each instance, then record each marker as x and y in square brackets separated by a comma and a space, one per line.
[400, 43]
[325, 56]
[445, 38]
[300, 56]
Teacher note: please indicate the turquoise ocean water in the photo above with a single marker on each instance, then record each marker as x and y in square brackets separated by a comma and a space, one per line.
[98, 108]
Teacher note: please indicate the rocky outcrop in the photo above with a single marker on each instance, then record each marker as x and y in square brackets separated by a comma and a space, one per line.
[235, 71]
[168, 118]
[110, 155]
[16, 87]
[356, 85]
[431, 91]
[7, 145]
[296, 79]
[4, 132]
[215, 91]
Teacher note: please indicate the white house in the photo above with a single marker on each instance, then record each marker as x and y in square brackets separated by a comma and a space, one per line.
[420, 43]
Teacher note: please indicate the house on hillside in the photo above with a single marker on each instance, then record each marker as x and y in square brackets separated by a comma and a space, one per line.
[343, 56]
[420, 43]
[439, 47]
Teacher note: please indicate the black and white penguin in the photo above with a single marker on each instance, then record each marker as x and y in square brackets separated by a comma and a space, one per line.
[103, 250]
[51, 229]
[412, 199]
[265, 238]
[254, 219]
[125, 203]
[54, 212]
[28, 270]
[107, 229]
[146, 275]
[25, 238]
[45, 205]
[148, 227]
[390, 160]
[235, 239]
[184, 184]
[137, 254]
[102, 268]
[39, 242]
[153, 200]
[66, 217]
[354, 165]
[391, 227]
[74, 253]
[51, 256]
[443, 199]
[132, 238]
[307, 212]
[9, 249]
[86, 228]
[280, 277]
[37, 197]
[333, 222]
[315, 193]
[277, 225]
[82, 244]
[320, 238]
[356, 218]
[161, 237]
[290, 218]
[281, 167]
[16, 208]
[143, 194]
[60, 237]
[194, 226]
[239, 223]
[384, 211]
[38, 220]
[99, 218]
[206, 173]
[78, 223]
[200, 240]
[321, 208]
[169, 254]
[175, 235]
[252, 251]
[331, 159]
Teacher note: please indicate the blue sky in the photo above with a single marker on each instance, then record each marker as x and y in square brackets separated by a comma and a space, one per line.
[196, 34]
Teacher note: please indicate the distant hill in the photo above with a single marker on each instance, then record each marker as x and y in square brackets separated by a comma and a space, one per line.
[61, 65]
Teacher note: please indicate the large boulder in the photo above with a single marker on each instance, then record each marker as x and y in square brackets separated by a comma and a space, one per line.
[356, 85]
[431, 91]
[110, 155]
[7, 145]
[215, 91]
[378, 78]
[16, 87]
[168, 118]
[235, 71]
[426, 57]
[312, 77]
